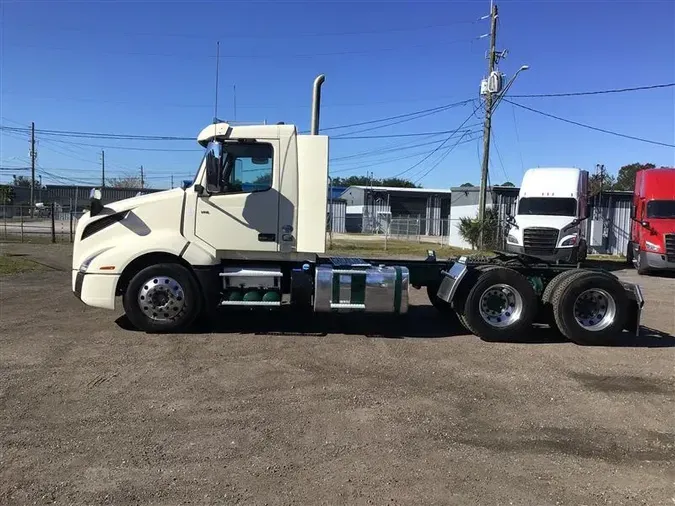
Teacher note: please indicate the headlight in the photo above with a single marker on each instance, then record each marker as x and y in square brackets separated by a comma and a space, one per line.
[652, 247]
[85, 265]
[569, 240]
[512, 239]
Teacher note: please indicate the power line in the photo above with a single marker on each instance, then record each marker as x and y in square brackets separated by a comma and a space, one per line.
[389, 160]
[499, 155]
[440, 145]
[428, 111]
[99, 135]
[597, 129]
[441, 158]
[515, 128]
[598, 92]
[390, 136]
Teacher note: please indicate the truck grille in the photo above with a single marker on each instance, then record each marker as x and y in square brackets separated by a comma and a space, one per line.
[540, 240]
[670, 247]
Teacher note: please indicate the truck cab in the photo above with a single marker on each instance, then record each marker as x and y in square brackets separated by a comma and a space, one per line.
[652, 235]
[551, 207]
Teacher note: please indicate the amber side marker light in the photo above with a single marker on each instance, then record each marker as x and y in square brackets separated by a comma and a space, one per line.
[107, 268]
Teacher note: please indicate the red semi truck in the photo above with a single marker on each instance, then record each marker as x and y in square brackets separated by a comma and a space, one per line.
[652, 237]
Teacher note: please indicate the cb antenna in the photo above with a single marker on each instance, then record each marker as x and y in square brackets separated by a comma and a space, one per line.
[215, 108]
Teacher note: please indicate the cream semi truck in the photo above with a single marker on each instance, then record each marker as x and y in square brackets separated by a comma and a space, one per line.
[249, 232]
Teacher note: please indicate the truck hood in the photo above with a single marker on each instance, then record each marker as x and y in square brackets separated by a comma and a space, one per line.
[559, 222]
[150, 198]
[661, 226]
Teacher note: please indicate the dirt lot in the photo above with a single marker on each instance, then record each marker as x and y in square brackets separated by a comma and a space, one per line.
[283, 412]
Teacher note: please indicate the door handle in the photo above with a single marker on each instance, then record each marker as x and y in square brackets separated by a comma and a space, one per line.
[267, 237]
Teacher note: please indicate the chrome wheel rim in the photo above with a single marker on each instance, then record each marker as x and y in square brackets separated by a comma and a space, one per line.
[161, 298]
[500, 305]
[594, 309]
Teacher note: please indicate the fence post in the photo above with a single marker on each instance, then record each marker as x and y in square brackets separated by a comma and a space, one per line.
[53, 223]
[21, 214]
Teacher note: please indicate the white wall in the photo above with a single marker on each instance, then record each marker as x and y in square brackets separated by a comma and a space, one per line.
[457, 212]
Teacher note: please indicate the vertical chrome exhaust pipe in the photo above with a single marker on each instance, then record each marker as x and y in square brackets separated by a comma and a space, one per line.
[316, 104]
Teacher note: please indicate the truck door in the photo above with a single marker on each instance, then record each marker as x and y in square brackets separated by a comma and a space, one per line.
[243, 214]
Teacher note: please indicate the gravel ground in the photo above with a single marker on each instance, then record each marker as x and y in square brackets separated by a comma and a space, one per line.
[336, 411]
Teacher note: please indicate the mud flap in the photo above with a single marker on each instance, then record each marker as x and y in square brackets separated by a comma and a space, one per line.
[635, 307]
[452, 280]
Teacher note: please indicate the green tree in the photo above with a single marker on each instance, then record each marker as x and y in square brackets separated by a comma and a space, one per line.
[626, 178]
[6, 194]
[368, 181]
[597, 183]
[508, 183]
[466, 185]
[132, 182]
[22, 181]
[471, 228]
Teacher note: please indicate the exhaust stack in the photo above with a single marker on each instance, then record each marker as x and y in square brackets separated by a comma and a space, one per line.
[316, 104]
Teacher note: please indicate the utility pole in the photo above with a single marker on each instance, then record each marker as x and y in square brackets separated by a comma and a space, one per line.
[102, 169]
[142, 178]
[172, 181]
[32, 169]
[492, 58]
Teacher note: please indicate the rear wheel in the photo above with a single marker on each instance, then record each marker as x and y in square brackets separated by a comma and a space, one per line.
[590, 307]
[547, 296]
[500, 305]
[162, 298]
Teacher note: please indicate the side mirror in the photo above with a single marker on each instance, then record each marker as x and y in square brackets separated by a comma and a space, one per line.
[214, 166]
[510, 220]
[95, 201]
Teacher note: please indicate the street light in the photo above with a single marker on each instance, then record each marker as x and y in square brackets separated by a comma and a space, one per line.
[508, 86]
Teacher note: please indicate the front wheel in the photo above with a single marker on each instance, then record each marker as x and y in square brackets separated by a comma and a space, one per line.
[162, 298]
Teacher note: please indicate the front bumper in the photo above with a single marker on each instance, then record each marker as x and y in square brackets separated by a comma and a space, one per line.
[97, 290]
[558, 254]
[657, 261]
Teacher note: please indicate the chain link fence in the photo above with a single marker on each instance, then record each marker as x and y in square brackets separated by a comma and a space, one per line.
[415, 229]
[49, 223]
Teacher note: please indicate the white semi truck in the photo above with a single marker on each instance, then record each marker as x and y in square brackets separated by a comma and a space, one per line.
[552, 205]
[249, 232]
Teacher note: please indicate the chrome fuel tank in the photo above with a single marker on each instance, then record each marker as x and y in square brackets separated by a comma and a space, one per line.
[370, 289]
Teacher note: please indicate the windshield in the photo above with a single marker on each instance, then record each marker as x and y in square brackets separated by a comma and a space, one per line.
[199, 167]
[547, 206]
[661, 209]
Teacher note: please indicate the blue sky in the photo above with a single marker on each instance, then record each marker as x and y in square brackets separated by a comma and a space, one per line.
[148, 68]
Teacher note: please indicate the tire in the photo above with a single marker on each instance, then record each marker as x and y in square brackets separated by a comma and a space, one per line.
[641, 264]
[547, 296]
[500, 305]
[175, 305]
[602, 294]
[439, 304]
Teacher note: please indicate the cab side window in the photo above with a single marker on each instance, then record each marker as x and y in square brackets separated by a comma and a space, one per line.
[248, 168]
